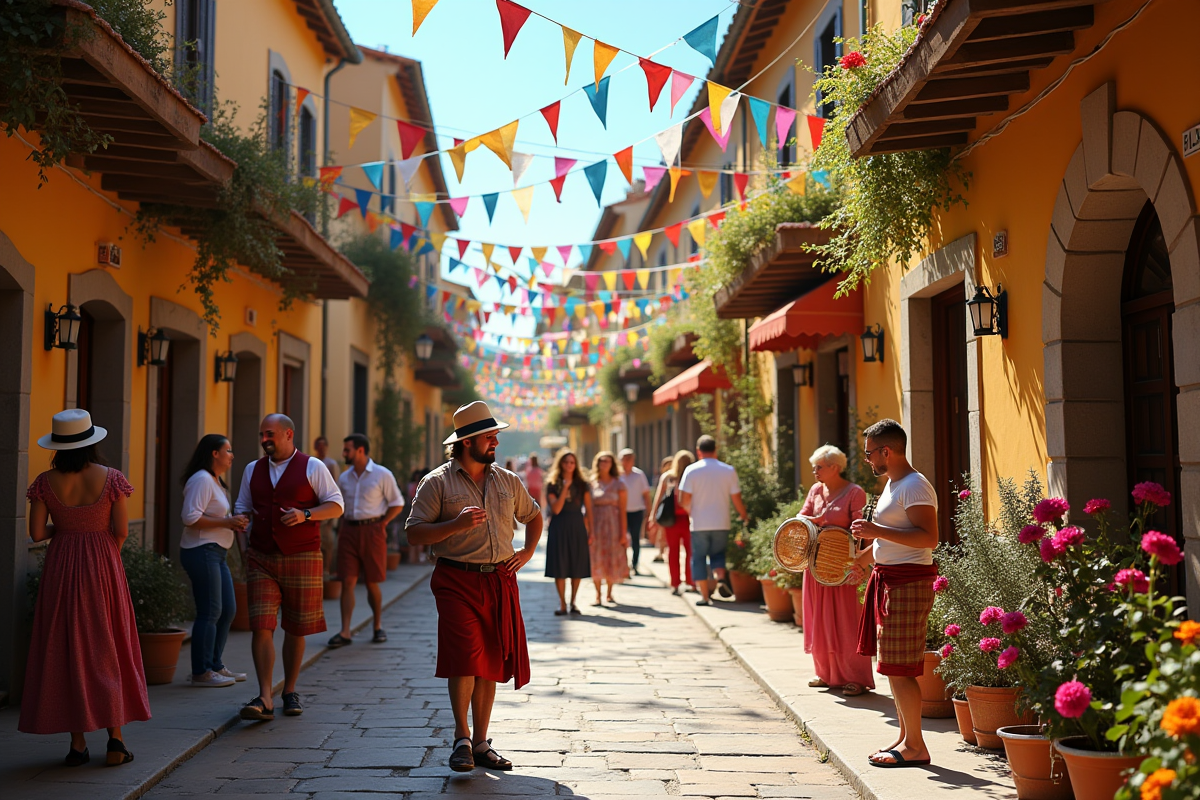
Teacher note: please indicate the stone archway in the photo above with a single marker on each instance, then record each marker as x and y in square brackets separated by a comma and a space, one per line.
[1122, 162]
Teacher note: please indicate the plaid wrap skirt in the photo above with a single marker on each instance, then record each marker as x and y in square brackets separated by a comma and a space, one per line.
[291, 582]
[899, 599]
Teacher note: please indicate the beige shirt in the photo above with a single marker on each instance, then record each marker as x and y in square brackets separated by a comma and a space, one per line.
[445, 492]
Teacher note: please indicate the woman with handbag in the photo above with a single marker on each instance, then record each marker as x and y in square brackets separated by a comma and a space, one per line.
[671, 517]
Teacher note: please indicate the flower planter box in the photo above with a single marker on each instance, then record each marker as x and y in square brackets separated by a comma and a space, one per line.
[1094, 775]
[935, 697]
[241, 617]
[746, 588]
[966, 727]
[333, 589]
[993, 708]
[393, 560]
[160, 655]
[778, 601]
[797, 607]
[1035, 772]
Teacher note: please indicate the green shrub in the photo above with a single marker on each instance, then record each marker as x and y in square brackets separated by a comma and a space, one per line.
[161, 598]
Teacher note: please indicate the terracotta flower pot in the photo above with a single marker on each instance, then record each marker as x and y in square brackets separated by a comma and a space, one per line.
[935, 697]
[333, 589]
[1035, 773]
[779, 602]
[393, 560]
[160, 655]
[962, 713]
[797, 607]
[746, 588]
[1094, 775]
[993, 708]
[241, 617]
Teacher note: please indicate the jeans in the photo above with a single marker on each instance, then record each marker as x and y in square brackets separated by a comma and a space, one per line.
[708, 547]
[633, 521]
[212, 587]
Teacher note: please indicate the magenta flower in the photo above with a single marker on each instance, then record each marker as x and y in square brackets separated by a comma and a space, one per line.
[1030, 534]
[1072, 699]
[940, 583]
[1068, 537]
[952, 630]
[1008, 657]
[1052, 509]
[1049, 549]
[1097, 506]
[964, 494]
[1151, 492]
[989, 644]
[947, 650]
[1162, 547]
[1013, 621]
[991, 614]
[1133, 579]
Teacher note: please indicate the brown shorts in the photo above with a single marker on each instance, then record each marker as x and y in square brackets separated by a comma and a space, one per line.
[293, 583]
[362, 551]
[902, 631]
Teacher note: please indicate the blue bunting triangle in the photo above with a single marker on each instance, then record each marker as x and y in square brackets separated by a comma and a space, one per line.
[625, 245]
[821, 176]
[427, 247]
[455, 264]
[430, 291]
[397, 238]
[585, 250]
[760, 110]
[598, 95]
[374, 173]
[385, 203]
[500, 281]
[703, 39]
[364, 199]
[489, 202]
[595, 174]
[424, 211]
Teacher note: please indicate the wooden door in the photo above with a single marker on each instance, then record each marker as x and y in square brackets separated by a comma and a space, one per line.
[952, 444]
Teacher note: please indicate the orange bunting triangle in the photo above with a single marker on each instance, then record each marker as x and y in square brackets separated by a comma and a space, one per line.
[570, 42]
[359, 119]
[675, 173]
[421, 9]
[707, 181]
[602, 56]
[500, 141]
[624, 160]
[301, 96]
[458, 157]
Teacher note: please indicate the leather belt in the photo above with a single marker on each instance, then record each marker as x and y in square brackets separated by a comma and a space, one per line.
[467, 567]
[371, 521]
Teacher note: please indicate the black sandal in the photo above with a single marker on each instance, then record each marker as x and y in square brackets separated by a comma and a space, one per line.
[256, 709]
[117, 753]
[560, 612]
[77, 758]
[380, 637]
[461, 760]
[491, 759]
[338, 641]
[291, 704]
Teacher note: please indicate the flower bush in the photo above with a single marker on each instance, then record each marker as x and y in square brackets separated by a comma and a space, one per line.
[161, 598]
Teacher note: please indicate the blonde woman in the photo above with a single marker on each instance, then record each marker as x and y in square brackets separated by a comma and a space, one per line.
[679, 533]
[653, 529]
[831, 613]
[569, 501]
[608, 535]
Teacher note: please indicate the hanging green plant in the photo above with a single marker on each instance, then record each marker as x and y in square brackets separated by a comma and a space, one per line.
[397, 308]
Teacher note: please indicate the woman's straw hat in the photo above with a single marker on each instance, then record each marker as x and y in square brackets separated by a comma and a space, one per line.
[71, 430]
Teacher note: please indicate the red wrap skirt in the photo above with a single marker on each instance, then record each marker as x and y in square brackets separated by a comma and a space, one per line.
[480, 629]
[896, 609]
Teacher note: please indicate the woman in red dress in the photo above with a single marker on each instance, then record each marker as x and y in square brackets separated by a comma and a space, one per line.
[85, 665]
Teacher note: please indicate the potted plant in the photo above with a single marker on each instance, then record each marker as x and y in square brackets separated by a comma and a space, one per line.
[161, 600]
[738, 558]
[776, 596]
[793, 584]
[936, 697]
[237, 569]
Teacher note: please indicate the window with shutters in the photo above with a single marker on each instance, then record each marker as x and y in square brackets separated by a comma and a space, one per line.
[195, 27]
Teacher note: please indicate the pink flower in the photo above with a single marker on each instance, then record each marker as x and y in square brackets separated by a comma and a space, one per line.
[1052, 509]
[772, 573]
[1013, 621]
[1049, 549]
[1097, 506]
[991, 614]
[947, 650]
[1133, 579]
[964, 494]
[1008, 657]
[853, 60]
[1030, 534]
[1068, 537]
[1162, 547]
[952, 630]
[940, 583]
[1151, 492]
[1072, 699]
[989, 644]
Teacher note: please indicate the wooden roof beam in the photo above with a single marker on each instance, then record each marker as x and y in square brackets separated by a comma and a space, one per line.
[955, 108]
[918, 143]
[965, 88]
[999, 51]
[1060, 19]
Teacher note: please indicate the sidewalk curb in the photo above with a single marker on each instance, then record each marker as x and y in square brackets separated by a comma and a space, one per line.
[213, 733]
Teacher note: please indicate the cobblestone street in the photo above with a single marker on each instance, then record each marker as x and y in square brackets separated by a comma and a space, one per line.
[634, 701]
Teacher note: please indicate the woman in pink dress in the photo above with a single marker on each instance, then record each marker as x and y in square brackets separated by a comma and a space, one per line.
[831, 613]
[608, 537]
[85, 664]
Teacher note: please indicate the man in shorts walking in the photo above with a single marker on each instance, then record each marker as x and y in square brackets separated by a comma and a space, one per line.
[705, 492]
[288, 494]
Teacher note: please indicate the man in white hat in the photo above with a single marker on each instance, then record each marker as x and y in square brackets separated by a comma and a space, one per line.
[465, 509]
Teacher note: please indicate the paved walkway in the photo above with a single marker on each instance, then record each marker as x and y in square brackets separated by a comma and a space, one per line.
[633, 701]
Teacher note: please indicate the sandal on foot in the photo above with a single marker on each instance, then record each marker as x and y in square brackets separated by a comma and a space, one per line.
[575, 609]
[853, 690]
[817, 683]
[338, 641]
[463, 758]
[76, 758]
[380, 637]
[490, 759]
[256, 709]
[117, 753]
[291, 704]
[560, 612]
[900, 761]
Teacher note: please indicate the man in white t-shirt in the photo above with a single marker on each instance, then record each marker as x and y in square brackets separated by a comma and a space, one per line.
[637, 494]
[705, 492]
[899, 597]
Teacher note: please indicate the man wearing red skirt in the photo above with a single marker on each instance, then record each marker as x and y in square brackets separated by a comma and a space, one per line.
[465, 509]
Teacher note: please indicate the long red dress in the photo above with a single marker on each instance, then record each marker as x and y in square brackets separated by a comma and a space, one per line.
[831, 613]
[85, 664]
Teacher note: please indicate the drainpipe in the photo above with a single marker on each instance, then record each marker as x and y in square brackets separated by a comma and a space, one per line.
[325, 232]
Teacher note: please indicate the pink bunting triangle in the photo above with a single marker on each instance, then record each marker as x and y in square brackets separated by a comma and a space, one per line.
[459, 204]
[680, 81]
[564, 250]
[562, 166]
[653, 175]
[547, 268]
[706, 118]
[783, 124]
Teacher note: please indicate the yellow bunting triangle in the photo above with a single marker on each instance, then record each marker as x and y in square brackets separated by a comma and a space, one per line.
[633, 338]
[716, 95]
[500, 141]
[438, 239]
[673, 276]
[423, 197]
[610, 279]
[421, 9]
[472, 144]
[524, 198]
[581, 311]
[308, 182]
[675, 173]
[495, 267]
[474, 305]
[643, 276]
[458, 157]
[696, 229]
[570, 42]
[642, 240]
[539, 253]
[488, 248]
[602, 56]
[359, 119]
[797, 184]
[707, 181]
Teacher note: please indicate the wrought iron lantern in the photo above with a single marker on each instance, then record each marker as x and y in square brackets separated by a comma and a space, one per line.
[226, 367]
[62, 328]
[152, 348]
[989, 312]
[872, 344]
[802, 374]
[424, 347]
[631, 392]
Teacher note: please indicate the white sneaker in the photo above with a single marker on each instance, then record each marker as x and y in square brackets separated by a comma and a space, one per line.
[212, 679]
[237, 676]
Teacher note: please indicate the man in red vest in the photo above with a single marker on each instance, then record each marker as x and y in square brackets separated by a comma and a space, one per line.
[288, 494]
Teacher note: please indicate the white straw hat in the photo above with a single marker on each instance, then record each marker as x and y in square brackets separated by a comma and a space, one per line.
[472, 420]
[71, 430]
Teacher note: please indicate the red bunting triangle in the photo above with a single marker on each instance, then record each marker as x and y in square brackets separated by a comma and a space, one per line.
[550, 112]
[512, 18]
[557, 185]
[740, 181]
[458, 141]
[625, 162]
[716, 219]
[512, 281]
[345, 206]
[656, 78]
[514, 253]
[629, 278]
[672, 232]
[550, 313]
[816, 127]
[410, 136]
[406, 230]
[608, 247]
[463, 244]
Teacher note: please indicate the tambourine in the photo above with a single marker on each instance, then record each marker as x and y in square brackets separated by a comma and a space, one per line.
[829, 553]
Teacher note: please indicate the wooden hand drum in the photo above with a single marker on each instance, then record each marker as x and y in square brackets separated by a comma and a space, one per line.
[794, 543]
[829, 553]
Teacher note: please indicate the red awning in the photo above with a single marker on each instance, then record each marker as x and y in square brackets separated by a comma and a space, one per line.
[802, 322]
[698, 378]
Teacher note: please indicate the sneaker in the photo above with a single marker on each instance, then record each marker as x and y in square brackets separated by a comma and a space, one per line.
[703, 602]
[212, 679]
[237, 676]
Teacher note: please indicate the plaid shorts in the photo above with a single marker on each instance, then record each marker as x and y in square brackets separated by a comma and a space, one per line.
[902, 631]
[294, 583]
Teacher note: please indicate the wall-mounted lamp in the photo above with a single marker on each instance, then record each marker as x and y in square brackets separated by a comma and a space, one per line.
[802, 374]
[424, 347]
[989, 312]
[631, 392]
[152, 348]
[62, 329]
[872, 344]
[226, 367]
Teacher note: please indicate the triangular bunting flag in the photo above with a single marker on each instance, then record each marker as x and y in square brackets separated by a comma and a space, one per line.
[760, 110]
[439, 241]
[514, 252]
[707, 181]
[697, 230]
[595, 174]
[570, 42]
[550, 113]
[626, 247]
[602, 56]
[410, 136]
[680, 81]
[716, 219]
[520, 163]
[328, 175]
[729, 111]
[408, 167]
[500, 141]
[816, 127]
[557, 185]
[585, 251]
[629, 278]
[539, 254]
[716, 95]
[385, 203]
[421, 9]
[783, 125]
[703, 39]
[656, 78]
[459, 204]
[374, 173]
[489, 202]
[458, 157]
[564, 252]
[363, 196]
[642, 240]
[488, 249]
[524, 198]
[624, 160]
[653, 175]
[669, 141]
[463, 244]
[610, 279]
[608, 247]
[396, 239]
[674, 172]
[345, 205]
[424, 211]
[512, 18]
[821, 176]
[301, 96]
[723, 140]
[598, 96]
[672, 232]
[359, 119]
[740, 181]
[643, 276]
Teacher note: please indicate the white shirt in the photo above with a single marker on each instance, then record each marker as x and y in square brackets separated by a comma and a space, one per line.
[371, 494]
[636, 483]
[203, 495]
[318, 478]
[891, 511]
[710, 483]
